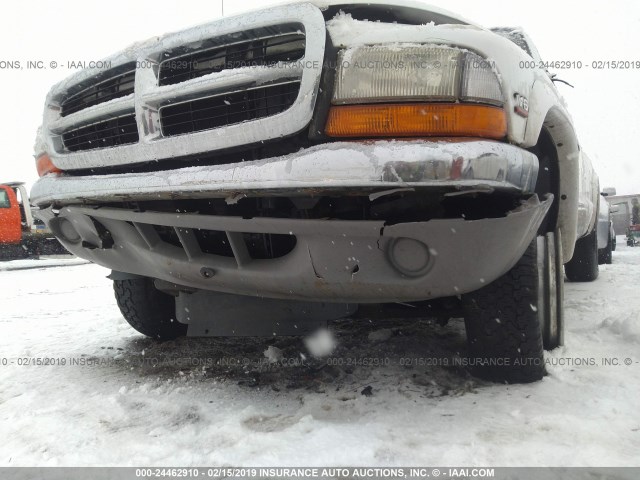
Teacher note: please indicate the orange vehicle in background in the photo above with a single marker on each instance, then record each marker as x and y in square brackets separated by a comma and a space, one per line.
[21, 235]
[10, 223]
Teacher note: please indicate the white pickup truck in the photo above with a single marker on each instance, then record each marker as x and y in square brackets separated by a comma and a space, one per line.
[305, 159]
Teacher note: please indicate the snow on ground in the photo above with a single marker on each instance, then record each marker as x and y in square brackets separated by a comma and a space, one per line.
[137, 402]
[42, 262]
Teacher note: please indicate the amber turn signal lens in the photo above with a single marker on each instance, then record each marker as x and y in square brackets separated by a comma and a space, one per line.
[416, 120]
[44, 165]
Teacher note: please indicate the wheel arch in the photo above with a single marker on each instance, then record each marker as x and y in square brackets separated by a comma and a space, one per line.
[555, 143]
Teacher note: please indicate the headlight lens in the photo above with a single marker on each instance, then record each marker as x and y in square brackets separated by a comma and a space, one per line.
[408, 73]
[480, 82]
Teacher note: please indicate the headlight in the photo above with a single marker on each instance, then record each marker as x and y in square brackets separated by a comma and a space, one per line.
[433, 73]
[479, 81]
[415, 91]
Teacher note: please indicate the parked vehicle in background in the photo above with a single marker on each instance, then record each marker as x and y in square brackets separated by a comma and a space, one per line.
[345, 154]
[606, 233]
[633, 236]
[22, 235]
[622, 210]
[583, 266]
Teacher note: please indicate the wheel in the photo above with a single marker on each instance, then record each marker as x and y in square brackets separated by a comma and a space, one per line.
[605, 255]
[550, 262]
[510, 321]
[147, 309]
[583, 267]
[614, 243]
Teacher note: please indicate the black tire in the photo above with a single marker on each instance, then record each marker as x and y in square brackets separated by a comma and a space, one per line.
[614, 243]
[147, 309]
[583, 267]
[605, 256]
[509, 321]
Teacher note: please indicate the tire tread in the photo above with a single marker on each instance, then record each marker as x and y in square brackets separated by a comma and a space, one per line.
[148, 310]
[517, 336]
[583, 266]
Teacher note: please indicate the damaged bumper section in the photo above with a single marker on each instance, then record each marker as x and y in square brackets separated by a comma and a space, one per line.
[342, 261]
[318, 258]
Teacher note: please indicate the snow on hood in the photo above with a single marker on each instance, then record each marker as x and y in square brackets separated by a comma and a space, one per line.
[345, 30]
[325, 4]
[137, 49]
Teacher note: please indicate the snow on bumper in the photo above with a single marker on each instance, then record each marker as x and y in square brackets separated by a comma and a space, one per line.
[332, 260]
[340, 166]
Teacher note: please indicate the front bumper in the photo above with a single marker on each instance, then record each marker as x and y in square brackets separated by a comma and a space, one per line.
[341, 261]
[333, 260]
[340, 167]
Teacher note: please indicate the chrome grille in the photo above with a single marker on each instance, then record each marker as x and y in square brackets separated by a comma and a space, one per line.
[228, 109]
[114, 86]
[109, 133]
[215, 103]
[252, 51]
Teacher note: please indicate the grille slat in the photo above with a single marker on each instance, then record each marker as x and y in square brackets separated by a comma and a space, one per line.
[116, 86]
[281, 107]
[226, 99]
[256, 52]
[229, 109]
[239, 53]
[199, 106]
[108, 133]
[104, 92]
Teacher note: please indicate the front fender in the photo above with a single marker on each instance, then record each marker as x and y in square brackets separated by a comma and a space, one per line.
[546, 111]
